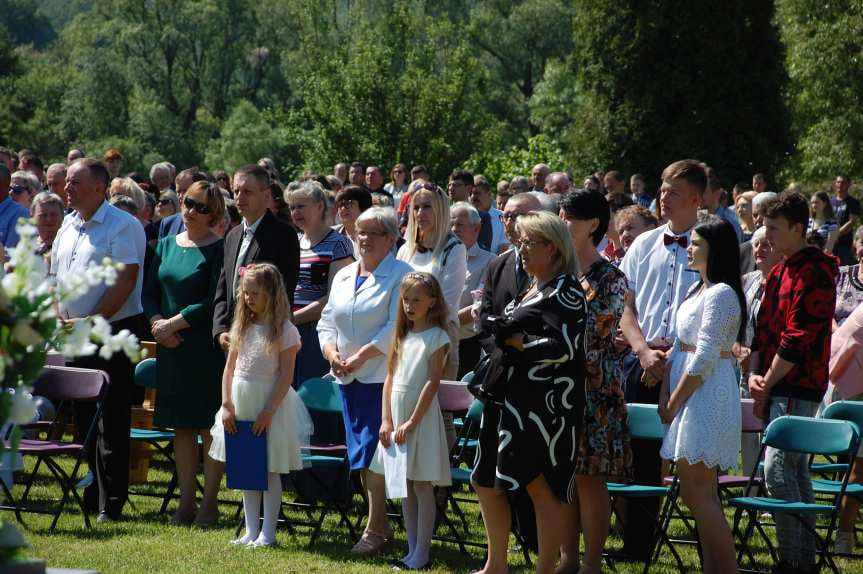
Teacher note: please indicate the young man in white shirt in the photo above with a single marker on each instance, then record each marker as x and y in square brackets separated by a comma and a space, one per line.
[659, 279]
[93, 231]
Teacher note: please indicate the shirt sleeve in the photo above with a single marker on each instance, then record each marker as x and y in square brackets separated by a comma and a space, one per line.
[720, 314]
[628, 266]
[383, 338]
[813, 300]
[853, 206]
[128, 244]
[343, 248]
[151, 295]
[453, 278]
[290, 336]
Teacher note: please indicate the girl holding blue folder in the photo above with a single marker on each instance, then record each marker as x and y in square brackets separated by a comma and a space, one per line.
[256, 386]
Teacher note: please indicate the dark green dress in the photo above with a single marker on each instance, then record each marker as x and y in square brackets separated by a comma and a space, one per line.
[183, 280]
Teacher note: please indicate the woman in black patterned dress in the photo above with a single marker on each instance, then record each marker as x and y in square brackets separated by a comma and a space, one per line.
[542, 395]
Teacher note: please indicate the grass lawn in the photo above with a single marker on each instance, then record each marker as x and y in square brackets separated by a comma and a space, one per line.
[146, 543]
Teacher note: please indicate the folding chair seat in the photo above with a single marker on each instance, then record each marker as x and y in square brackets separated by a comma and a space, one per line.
[324, 486]
[63, 386]
[807, 436]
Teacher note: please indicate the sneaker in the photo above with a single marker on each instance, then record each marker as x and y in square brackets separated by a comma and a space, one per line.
[844, 543]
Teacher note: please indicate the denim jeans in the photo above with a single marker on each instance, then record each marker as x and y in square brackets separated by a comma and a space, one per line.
[787, 477]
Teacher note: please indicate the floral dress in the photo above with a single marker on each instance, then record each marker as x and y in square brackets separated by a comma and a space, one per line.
[604, 445]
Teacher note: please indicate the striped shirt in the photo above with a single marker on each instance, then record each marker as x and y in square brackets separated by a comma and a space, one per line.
[313, 280]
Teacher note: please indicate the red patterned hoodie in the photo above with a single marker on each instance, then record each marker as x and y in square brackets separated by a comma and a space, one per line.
[795, 322]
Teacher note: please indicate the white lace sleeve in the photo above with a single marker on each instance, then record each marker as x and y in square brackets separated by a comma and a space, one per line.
[720, 321]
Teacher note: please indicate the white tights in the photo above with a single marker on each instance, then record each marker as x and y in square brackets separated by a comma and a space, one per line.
[272, 498]
[419, 513]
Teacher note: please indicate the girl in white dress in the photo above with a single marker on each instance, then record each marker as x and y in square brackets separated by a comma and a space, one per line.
[700, 398]
[419, 355]
[256, 386]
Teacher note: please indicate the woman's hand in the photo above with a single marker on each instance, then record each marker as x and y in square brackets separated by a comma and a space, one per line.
[403, 430]
[262, 422]
[170, 342]
[385, 432]
[162, 328]
[337, 365]
[229, 418]
[353, 363]
[665, 414]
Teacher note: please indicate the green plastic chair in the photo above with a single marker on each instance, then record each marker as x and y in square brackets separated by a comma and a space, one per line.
[644, 423]
[323, 485]
[145, 374]
[806, 435]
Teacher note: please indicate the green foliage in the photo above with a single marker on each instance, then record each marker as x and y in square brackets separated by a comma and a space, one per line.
[26, 24]
[661, 81]
[824, 43]
[498, 165]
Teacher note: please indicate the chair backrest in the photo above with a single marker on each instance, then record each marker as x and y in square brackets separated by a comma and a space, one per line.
[644, 422]
[811, 435]
[321, 395]
[474, 413]
[145, 374]
[453, 396]
[55, 359]
[467, 377]
[851, 411]
[150, 347]
[751, 423]
[59, 384]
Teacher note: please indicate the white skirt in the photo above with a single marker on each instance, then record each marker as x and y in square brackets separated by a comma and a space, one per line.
[289, 431]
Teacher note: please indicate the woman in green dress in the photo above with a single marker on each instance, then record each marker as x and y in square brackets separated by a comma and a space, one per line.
[178, 301]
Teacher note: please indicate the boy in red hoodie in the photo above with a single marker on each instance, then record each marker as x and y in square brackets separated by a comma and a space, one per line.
[790, 356]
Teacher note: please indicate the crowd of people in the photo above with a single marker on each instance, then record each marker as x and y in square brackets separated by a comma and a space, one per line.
[568, 301]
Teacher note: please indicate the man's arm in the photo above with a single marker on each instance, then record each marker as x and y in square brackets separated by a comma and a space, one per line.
[117, 294]
[849, 225]
[651, 360]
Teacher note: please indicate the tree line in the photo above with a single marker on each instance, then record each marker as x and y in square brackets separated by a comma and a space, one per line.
[494, 85]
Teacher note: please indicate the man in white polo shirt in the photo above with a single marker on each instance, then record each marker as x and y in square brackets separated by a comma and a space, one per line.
[659, 276]
[93, 231]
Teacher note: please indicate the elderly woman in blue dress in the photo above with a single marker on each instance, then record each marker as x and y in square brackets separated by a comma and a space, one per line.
[355, 332]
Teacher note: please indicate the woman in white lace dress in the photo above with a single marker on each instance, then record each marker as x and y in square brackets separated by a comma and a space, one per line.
[700, 400]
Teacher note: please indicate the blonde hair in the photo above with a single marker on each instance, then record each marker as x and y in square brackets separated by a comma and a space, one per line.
[437, 315]
[548, 227]
[278, 308]
[214, 200]
[441, 231]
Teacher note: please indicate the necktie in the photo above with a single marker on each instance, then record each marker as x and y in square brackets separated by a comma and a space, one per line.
[244, 247]
[679, 239]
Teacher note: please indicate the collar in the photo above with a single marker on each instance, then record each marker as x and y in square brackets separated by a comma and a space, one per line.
[666, 230]
[384, 267]
[253, 227]
[98, 216]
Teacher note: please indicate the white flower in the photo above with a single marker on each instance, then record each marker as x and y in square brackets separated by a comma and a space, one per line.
[23, 409]
[78, 342]
[25, 334]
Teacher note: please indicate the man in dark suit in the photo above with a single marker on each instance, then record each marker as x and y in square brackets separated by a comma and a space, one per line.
[505, 280]
[260, 238]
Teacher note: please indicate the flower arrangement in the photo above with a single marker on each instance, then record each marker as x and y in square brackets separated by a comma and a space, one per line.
[30, 327]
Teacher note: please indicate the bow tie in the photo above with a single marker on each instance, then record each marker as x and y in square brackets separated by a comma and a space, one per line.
[679, 239]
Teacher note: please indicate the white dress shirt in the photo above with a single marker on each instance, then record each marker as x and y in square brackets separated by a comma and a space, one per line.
[111, 232]
[660, 277]
[478, 260]
[354, 317]
[248, 234]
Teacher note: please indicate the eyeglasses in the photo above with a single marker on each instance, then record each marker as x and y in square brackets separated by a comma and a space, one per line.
[163, 202]
[368, 234]
[346, 203]
[191, 205]
[511, 216]
[527, 243]
[16, 189]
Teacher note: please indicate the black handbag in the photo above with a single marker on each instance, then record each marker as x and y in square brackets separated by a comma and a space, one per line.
[487, 383]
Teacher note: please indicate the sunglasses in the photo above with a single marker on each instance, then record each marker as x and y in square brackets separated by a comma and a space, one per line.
[193, 205]
[16, 189]
[163, 202]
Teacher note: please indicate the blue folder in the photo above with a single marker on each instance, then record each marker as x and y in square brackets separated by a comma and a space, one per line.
[246, 458]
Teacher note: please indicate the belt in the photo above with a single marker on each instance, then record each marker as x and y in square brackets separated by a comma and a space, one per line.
[691, 349]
